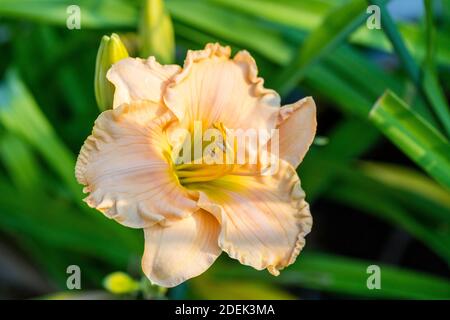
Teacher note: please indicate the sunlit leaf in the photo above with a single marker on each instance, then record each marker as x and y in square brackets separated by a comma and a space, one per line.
[414, 136]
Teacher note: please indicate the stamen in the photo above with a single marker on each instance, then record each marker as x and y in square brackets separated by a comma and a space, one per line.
[208, 169]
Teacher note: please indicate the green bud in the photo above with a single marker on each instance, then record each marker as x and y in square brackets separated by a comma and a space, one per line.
[156, 32]
[110, 51]
[120, 283]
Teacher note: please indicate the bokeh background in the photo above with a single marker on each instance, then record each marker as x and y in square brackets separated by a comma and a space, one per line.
[378, 183]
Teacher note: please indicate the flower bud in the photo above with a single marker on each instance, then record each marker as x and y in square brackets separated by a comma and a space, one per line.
[110, 51]
[120, 283]
[156, 32]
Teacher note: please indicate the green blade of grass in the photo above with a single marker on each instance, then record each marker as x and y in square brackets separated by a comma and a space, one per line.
[334, 273]
[302, 16]
[368, 79]
[411, 34]
[298, 14]
[19, 162]
[423, 217]
[20, 115]
[335, 28]
[437, 98]
[421, 192]
[25, 172]
[58, 225]
[429, 85]
[375, 80]
[94, 14]
[104, 14]
[414, 136]
[253, 35]
[366, 195]
[328, 84]
[430, 81]
[397, 42]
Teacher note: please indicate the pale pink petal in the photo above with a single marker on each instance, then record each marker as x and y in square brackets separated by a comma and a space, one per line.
[138, 79]
[182, 250]
[264, 219]
[213, 88]
[297, 125]
[125, 166]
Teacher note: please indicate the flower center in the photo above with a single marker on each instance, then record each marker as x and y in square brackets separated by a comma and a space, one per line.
[205, 156]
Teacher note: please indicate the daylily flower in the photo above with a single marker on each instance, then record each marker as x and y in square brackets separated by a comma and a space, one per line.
[191, 213]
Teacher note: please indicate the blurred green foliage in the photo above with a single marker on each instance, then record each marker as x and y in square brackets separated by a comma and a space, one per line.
[316, 47]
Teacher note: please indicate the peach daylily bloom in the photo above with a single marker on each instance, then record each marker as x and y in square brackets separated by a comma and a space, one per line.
[189, 218]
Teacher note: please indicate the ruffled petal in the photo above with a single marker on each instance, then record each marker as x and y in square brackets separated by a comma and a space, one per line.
[213, 88]
[138, 79]
[297, 128]
[182, 250]
[124, 165]
[264, 219]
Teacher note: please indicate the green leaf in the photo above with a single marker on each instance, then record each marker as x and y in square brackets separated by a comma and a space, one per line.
[326, 83]
[335, 28]
[20, 162]
[366, 195]
[334, 273]
[367, 79]
[94, 14]
[350, 276]
[253, 35]
[417, 186]
[414, 136]
[431, 86]
[397, 42]
[437, 98]
[303, 16]
[55, 223]
[20, 115]
[411, 35]
[296, 14]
